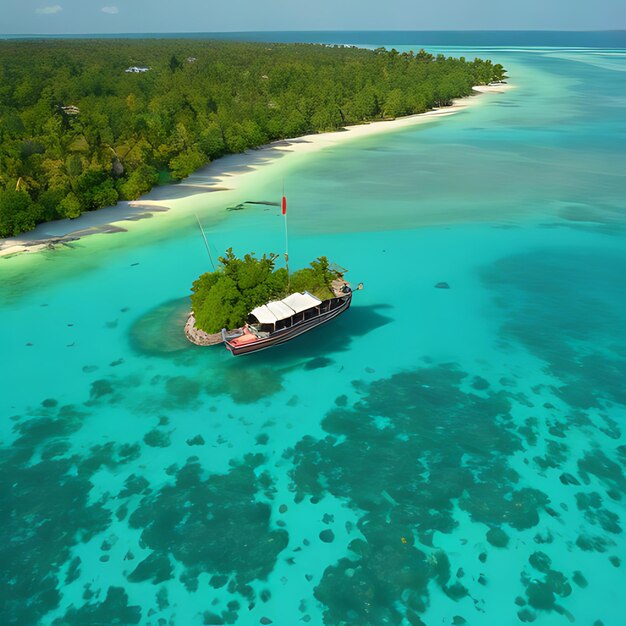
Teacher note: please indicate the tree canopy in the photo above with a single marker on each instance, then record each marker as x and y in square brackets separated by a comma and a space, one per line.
[224, 298]
[78, 132]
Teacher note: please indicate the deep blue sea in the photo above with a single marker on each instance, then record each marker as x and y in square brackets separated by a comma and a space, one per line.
[434, 456]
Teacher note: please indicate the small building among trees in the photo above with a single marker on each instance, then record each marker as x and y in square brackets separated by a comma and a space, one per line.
[70, 110]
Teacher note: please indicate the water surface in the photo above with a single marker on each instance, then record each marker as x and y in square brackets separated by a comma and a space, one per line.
[434, 456]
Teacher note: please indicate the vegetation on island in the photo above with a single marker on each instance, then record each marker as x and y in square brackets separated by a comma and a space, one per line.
[224, 298]
[78, 132]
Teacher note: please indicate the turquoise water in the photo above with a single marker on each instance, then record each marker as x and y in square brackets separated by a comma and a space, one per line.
[435, 456]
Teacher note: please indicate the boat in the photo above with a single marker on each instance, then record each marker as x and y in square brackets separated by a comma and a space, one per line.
[279, 321]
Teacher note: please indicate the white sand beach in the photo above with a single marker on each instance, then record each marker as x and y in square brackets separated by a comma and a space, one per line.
[229, 173]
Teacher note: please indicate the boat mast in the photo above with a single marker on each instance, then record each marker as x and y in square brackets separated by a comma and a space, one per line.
[206, 243]
[284, 211]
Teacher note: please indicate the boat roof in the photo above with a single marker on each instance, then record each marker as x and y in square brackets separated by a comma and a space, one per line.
[301, 301]
[277, 310]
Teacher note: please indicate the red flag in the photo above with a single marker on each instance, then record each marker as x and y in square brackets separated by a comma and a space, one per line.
[284, 205]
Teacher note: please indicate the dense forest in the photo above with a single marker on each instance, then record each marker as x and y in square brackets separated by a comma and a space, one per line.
[78, 131]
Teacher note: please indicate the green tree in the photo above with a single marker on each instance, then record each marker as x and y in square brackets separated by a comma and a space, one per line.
[327, 118]
[139, 182]
[74, 165]
[394, 104]
[14, 209]
[212, 141]
[186, 163]
[104, 194]
[70, 206]
[316, 279]
[175, 64]
[222, 307]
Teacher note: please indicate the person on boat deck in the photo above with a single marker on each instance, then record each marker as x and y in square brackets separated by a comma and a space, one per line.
[246, 329]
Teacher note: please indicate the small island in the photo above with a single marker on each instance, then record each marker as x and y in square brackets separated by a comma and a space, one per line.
[264, 305]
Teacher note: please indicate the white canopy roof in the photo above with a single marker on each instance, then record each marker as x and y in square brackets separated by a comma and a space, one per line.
[273, 312]
[301, 301]
[280, 310]
[264, 315]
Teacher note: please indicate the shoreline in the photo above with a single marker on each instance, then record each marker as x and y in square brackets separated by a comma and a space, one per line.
[228, 173]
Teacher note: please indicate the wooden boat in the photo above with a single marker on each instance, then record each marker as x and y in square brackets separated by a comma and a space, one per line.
[282, 320]
[279, 321]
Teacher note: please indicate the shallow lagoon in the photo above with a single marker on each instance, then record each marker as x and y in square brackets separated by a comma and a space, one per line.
[434, 456]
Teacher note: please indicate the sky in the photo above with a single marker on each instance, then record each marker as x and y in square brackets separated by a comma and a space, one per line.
[149, 16]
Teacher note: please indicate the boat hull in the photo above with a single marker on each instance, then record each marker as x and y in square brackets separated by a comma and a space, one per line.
[287, 334]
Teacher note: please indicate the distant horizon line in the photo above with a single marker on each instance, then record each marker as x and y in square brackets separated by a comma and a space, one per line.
[384, 30]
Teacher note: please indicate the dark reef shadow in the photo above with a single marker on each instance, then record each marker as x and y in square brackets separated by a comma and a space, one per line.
[159, 331]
